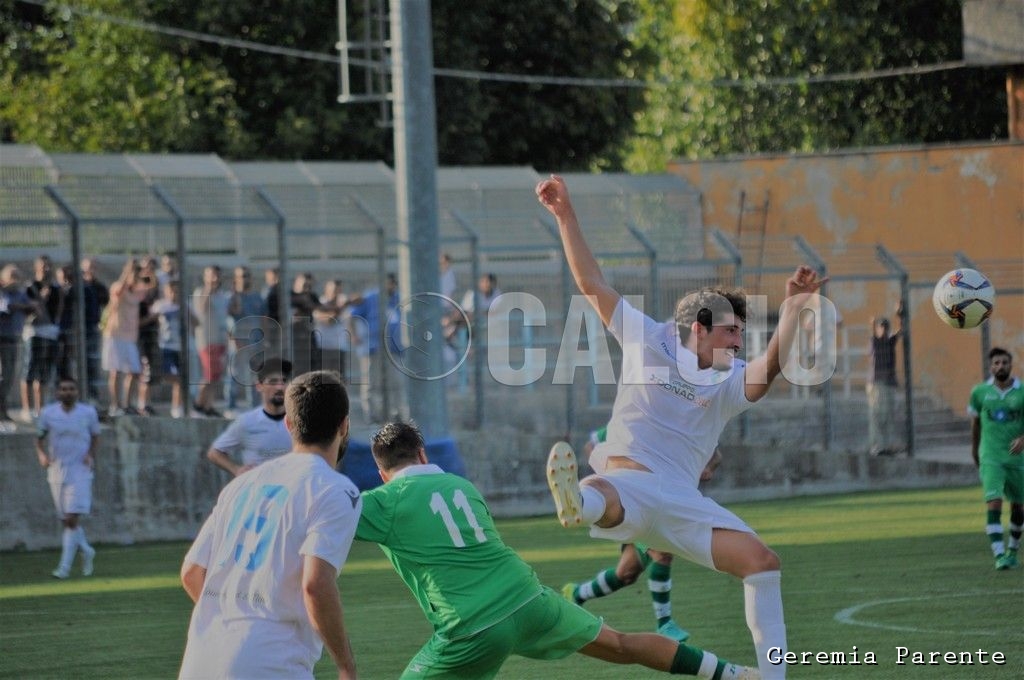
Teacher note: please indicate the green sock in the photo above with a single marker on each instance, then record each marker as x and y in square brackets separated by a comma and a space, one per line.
[641, 553]
[605, 583]
[659, 580]
[686, 661]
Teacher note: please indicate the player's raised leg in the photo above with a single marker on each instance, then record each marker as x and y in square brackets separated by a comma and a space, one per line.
[592, 501]
[564, 482]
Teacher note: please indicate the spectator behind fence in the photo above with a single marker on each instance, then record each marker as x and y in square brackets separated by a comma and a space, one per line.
[97, 296]
[365, 330]
[149, 335]
[304, 302]
[881, 388]
[120, 338]
[455, 323]
[272, 303]
[14, 305]
[66, 341]
[332, 328]
[210, 307]
[43, 335]
[168, 270]
[447, 276]
[248, 321]
[168, 312]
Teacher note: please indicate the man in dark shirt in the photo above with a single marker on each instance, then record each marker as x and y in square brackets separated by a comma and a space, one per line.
[881, 388]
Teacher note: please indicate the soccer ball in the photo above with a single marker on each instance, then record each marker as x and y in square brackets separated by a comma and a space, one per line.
[963, 298]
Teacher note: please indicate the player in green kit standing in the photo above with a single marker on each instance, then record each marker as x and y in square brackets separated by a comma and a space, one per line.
[997, 440]
[484, 602]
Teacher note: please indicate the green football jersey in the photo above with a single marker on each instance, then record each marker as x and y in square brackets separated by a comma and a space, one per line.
[1002, 420]
[437, 531]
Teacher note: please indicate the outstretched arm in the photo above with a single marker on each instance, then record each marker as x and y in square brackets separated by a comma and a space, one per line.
[764, 369]
[553, 195]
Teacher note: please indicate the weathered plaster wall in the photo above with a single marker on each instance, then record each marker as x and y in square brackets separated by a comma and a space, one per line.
[915, 201]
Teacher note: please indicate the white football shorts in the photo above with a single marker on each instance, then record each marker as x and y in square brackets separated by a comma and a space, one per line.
[667, 517]
[71, 489]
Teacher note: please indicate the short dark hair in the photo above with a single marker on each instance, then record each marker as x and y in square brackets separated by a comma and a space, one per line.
[317, 405]
[396, 444]
[999, 351]
[704, 305]
[274, 365]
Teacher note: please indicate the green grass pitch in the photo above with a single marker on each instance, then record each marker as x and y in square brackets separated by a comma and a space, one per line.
[909, 569]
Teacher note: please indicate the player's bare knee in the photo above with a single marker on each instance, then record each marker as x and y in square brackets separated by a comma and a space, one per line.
[613, 512]
[766, 560]
[629, 575]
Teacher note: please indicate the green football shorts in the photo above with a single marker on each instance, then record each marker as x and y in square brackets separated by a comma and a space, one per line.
[546, 627]
[1002, 479]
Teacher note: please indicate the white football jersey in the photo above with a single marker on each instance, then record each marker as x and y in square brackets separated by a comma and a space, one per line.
[668, 413]
[250, 620]
[255, 437]
[70, 432]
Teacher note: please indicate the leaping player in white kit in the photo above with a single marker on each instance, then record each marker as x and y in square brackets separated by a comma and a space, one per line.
[680, 384]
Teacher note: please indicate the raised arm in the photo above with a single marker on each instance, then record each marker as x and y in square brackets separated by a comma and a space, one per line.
[765, 368]
[553, 195]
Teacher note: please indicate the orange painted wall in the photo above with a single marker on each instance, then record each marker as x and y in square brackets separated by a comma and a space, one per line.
[923, 202]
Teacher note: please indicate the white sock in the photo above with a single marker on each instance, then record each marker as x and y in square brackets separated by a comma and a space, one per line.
[708, 666]
[82, 543]
[762, 594]
[593, 504]
[69, 545]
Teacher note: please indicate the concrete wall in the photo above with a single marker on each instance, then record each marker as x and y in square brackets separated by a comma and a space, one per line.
[913, 200]
[153, 483]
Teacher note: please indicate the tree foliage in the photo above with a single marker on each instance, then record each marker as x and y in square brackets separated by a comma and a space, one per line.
[703, 43]
[72, 83]
[87, 85]
[69, 82]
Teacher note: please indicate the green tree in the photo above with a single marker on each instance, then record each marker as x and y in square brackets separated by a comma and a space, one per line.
[72, 83]
[715, 52]
[290, 104]
[547, 126]
[75, 83]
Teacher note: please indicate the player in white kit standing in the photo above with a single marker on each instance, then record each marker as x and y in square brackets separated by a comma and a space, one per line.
[263, 569]
[680, 385]
[73, 431]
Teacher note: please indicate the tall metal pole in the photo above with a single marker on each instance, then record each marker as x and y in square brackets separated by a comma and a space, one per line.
[416, 203]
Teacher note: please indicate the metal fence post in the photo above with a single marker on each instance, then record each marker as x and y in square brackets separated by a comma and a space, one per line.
[894, 266]
[826, 392]
[986, 334]
[284, 298]
[81, 351]
[184, 379]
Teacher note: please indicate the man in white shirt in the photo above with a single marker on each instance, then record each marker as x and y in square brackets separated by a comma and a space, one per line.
[258, 435]
[73, 431]
[263, 570]
[680, 385]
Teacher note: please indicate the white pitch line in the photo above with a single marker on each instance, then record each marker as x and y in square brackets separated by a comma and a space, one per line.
[847, 615]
